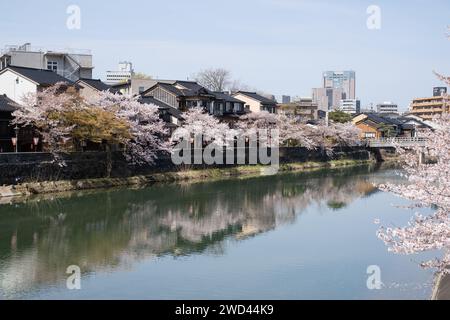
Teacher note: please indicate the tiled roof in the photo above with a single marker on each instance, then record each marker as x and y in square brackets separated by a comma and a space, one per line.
[382, 120]
[6, 104]
[96, 84]
[225, 97]
[161, 105]
[172, 89]
[257, 97]
[40, 76]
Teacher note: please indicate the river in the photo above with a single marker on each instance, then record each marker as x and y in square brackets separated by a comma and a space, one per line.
[289, 236]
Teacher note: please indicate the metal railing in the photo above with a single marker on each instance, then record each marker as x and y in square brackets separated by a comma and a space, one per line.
[398, 141]
[28, 48]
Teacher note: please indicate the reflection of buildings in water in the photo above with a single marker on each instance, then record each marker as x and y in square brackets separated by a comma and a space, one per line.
[115, 229]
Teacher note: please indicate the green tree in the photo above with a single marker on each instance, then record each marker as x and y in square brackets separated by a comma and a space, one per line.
[339, 116]
[98, 126]
[141, 76]
[388, 131]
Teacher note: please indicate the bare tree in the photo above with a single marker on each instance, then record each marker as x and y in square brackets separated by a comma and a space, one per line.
[214, 79]
[237, 85]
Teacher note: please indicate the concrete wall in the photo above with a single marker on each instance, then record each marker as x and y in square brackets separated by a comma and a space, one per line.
[145, 83]
[32, 167]
[28, 59]
[15, 91]
[87, 92]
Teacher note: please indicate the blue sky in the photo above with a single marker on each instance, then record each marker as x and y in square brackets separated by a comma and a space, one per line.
[278, 46]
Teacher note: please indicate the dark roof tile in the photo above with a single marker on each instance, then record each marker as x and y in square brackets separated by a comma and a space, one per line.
[96, 84]
[161, 105]
[225, 97]
[40, 76]
[7, 105]
[258, 97]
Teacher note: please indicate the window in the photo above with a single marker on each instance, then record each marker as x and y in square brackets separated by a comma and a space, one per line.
[228, 107]
[52, 65]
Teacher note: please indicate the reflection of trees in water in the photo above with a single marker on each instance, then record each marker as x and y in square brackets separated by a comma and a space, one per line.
[38, 241]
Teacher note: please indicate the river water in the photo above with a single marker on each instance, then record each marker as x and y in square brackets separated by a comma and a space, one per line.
[289, 236]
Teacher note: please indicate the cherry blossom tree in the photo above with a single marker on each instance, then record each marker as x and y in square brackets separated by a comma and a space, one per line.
[64, 118]
[42, 111]
[293, 131]
[428, 185]
[149, 135]
[198, 123]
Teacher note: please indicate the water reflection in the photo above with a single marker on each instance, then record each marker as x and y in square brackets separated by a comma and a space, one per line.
[99, 231]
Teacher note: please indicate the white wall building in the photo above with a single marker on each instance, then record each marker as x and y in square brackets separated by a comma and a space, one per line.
[16, 82]
[387, 108]
[123, 73]
[351, 106]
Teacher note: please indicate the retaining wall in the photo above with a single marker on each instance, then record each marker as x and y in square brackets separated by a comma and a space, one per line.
[18, 168]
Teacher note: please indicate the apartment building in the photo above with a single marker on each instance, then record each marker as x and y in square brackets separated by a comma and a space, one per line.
[427, 108]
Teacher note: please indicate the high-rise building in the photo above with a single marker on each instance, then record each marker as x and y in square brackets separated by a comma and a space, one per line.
[387, 108]
[351, 106]
[345, 80]
[327, 99]
[123, 73]
[285, 99]
[71, 64]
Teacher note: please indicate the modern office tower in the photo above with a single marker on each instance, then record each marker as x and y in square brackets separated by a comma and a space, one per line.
[345, 80]
[387, 108]
[327, 99]
[285, 99]
[123, 73]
